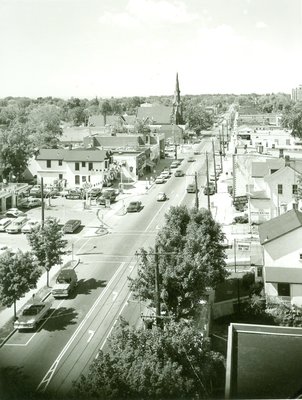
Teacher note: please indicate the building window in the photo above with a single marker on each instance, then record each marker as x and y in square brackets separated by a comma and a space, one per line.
[83, 178]
[284, 289]
[48, 163]
[60, 162]
[90, 166]
[295, 189]
[88, 178]
[288, 142]
[280, 189]
[60, 176]
[83, 164]
[77, 166]
[77, 179]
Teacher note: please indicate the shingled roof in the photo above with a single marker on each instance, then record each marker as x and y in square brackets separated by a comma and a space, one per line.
[156, 114]
[279, 226]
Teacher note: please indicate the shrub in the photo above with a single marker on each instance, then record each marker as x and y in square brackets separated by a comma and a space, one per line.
[286, 315]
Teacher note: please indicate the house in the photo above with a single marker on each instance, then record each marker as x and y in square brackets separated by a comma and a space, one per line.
[156, 114]
[76, 167]
[282, 254]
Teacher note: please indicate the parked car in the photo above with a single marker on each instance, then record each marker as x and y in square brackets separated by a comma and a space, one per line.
[191, 159]
[94, 193]
[161, 196]
[179, 172]
[165, 174]
[14, 213]
[106, 196]
[71, 225]
[191, 188]
[159, 180]
[29, 226]
[31, 202]
[66, 282]
[134, 206]
[241, 219]
[209, 189]
[35, 191]
[31, 315]
[4, 222]
[175, 164]
[74, 194]
[197, 152]
[16, 225]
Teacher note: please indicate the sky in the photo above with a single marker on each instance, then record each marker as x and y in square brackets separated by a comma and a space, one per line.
[117, 48]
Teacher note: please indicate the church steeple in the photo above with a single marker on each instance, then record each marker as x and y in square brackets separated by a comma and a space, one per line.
[177, 106]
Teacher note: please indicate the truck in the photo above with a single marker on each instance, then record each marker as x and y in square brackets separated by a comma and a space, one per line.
[66, 282]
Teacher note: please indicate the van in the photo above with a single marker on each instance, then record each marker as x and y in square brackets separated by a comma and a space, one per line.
[4, 223]
[65, 283]
[71, 225]
[16, 225]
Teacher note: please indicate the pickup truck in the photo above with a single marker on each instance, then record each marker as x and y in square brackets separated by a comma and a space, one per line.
[66, 282]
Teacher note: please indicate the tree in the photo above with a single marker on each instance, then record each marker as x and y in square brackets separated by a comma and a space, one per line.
[105, 109]
[18, 274]
[15, 149]
[44, 123]
[197, 117]
[190, 259]
[173, 363]
[292, 118]
[48, 245]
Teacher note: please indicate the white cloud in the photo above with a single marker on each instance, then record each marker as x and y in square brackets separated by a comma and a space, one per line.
[261, 25]
[141, 12]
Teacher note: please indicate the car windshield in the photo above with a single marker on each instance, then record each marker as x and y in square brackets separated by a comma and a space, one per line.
[33, 310]
[64, 280]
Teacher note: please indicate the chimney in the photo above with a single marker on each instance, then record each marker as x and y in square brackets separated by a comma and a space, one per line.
[287, 161]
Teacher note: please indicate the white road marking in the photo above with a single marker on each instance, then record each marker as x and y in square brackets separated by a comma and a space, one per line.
[155, 216]
[114, 295]
[49, 374]
[91, 333]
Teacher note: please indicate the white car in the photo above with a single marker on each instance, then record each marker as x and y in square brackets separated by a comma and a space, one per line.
[31, 315]
[159, 180]
[29, 226]
[14, 213]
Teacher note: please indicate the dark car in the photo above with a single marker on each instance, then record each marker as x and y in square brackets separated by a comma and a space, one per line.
[134, 206]
[74, 194]
[191, 159]
[94, 193]
[209, 189]
[105, 197]
[71, 225]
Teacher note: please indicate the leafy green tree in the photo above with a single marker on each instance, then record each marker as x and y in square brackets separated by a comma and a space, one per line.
[173, 363]
[18, 274]
[105, 109]
[198, 118]
[15, 149]
[44, 123]
[190, 259]
[48, 245]
[77, 115]
[292, 119]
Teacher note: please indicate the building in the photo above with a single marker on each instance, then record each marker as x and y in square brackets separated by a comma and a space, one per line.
[76, 167]
[282, 255]
[263, 362]
[297, 93]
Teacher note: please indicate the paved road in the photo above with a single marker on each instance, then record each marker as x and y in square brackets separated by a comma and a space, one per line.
[76, 328]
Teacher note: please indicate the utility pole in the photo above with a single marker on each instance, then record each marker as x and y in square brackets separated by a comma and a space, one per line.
[234, 176]
[42, 203]
[157, 295]
[208, 191]
[196, 193]
[222, 130]
[214, 165]
[220, 151]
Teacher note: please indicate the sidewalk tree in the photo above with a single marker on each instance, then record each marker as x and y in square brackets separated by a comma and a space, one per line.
[173, 363]
[48, 245]
[18, 274]
[190, 260]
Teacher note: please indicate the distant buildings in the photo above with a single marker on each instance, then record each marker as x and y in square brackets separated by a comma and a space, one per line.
[297, 93]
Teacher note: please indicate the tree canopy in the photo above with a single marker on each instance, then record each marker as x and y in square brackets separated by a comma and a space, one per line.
[292, 118]
[190, 259]
[175, 362]
[18, 274]
[47, 244]
[197, 117]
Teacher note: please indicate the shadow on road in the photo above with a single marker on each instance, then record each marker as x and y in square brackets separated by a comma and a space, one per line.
[60, 319]
[86, 287]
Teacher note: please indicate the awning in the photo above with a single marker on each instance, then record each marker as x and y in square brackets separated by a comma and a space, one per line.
[150, 163]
